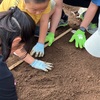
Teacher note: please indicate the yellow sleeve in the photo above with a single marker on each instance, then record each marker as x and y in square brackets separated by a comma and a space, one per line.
[48, 9]
[4, 6]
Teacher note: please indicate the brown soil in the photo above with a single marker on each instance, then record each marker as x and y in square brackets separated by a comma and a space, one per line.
[75, 75]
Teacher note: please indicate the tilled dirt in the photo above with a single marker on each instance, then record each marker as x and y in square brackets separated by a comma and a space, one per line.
[75, 76]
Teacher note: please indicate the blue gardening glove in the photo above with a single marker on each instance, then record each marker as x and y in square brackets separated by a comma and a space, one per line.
[45, 66]
[79, 37]
[38, 50]
[50, 38]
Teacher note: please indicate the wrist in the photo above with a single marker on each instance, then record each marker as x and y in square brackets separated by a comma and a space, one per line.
[21, 53]
[51, 34]
[82, 28]
[34, 63]
[29, 59]
[39, 43]
[23, 56]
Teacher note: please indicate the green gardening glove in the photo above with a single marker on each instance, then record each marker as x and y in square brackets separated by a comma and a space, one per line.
[79, 37]
[50, 38]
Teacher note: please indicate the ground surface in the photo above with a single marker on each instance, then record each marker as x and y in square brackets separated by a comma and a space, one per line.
[76, 75]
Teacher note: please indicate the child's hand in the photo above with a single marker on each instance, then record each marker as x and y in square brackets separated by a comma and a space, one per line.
[50, 38]
[79, 37]
[45, 66]
[38, 50]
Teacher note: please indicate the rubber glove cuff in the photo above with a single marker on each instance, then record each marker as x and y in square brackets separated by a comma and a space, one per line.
[50, 38]
[51, 34]
[40, 45]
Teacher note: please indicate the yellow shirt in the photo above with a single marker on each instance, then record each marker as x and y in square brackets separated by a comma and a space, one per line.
[6, 4]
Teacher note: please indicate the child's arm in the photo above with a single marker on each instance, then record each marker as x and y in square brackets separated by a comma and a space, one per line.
[43, 28]
[55, 18]
[38, 64]
[38, 49]
[79, 35]
[91, 11]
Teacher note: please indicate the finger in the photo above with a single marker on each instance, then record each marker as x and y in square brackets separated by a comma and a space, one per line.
[49, 68]
[49, 63]
[36, 55]
[80, 45]
[41, 54]
[46, 40]
[44, 69]
[76, 44]
[33, 52]
[72, 39]
[49, 44]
